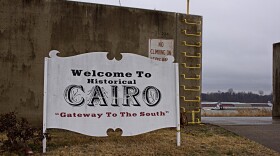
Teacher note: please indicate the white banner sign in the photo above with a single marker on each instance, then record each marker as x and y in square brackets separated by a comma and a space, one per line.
[160, 49]
[90, 94]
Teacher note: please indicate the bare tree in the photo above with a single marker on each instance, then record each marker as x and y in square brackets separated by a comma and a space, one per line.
[230, 91]
[261, 92]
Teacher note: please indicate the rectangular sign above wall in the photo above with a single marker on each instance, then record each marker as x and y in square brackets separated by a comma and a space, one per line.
[160, 49]
[90, 94]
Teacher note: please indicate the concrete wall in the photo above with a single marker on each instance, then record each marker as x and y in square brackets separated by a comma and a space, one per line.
[189, 52]
[276, 81]
[29, 29]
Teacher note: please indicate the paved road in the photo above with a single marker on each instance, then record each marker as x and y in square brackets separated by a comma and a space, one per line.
[263, 130]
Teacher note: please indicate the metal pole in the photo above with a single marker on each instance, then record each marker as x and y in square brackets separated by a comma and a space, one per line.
[188, 6]
[45, 105]
[177, 105]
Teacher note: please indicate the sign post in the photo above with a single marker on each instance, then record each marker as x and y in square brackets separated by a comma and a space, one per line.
[45, 105]
[178, 106]
[90, 94]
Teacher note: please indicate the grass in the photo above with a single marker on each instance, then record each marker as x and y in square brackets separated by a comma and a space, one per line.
[196, 140]
[237, 113]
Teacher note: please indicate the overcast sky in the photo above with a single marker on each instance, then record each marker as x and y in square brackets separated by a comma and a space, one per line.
[237, 39]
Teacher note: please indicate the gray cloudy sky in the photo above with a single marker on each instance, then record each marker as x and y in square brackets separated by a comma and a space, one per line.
[237, 39]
